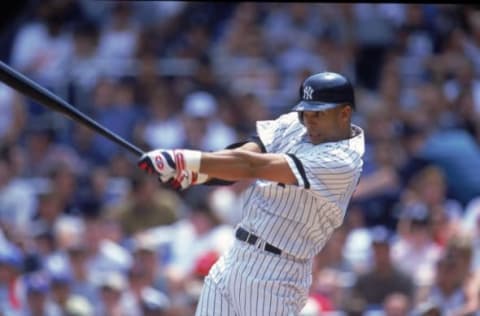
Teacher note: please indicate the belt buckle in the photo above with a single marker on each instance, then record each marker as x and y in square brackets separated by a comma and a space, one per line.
[247, 239]
[261, 245]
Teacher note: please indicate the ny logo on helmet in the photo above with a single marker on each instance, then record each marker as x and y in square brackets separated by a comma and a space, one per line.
[307, 93]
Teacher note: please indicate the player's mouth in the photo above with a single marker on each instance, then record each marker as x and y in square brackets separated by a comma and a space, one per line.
[313, 132]
[315, 137]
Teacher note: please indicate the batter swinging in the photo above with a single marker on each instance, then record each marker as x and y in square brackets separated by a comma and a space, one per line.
[307, 164]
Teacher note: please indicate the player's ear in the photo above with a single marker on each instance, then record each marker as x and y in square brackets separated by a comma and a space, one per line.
[345, 112]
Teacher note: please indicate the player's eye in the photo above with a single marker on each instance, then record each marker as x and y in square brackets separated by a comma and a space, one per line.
[311, 114]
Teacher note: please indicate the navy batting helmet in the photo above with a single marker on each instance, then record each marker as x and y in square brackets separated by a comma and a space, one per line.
[324, 91]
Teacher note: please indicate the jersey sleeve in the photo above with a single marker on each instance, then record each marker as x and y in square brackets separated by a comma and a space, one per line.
[328, 173]
[270, 132]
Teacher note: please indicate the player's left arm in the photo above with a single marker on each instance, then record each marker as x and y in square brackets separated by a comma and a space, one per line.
[253, 144]
[242, 163]
[249, 160]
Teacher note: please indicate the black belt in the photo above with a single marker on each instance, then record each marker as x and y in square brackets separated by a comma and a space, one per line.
[250, 238]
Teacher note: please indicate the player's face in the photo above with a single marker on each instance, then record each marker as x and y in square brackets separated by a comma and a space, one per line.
[328, 125]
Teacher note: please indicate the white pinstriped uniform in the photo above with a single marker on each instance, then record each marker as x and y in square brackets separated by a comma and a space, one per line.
[298, 219]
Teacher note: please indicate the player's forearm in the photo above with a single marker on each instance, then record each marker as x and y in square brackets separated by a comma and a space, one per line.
[247, 146]
[230, 165]
[234, 165]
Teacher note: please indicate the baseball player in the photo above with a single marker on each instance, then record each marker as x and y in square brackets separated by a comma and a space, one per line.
[306, 163]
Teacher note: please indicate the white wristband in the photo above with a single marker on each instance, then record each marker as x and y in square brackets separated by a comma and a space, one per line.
[192, 159]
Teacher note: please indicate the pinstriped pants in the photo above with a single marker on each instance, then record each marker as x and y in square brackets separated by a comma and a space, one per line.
[248, 281]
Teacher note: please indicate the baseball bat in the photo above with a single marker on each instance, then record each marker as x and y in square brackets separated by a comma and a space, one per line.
[21, 83]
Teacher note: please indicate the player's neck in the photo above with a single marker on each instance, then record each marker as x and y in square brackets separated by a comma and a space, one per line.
[345, 133]
[334, 138]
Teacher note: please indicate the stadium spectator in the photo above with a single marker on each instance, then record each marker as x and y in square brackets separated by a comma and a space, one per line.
[85, 66]
[13, 114]
[375, 287]
[145, 206]
[429, 187]
[77, 258]
[415, 242]
[164, 125]
[178, 74]
[43, 46]
[17, 197]
[396, 304]
[114, 299]
[39, 302]
[118, 39]
[12, 298]
[117, 112]
[202, 128]
[449, 292]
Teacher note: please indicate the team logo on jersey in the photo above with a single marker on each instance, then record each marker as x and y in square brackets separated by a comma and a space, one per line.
[307, 93]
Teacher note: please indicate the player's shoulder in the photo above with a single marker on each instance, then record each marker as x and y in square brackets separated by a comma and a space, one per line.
[356, 144]
[281, 122]
[289, 121]
[346, 153]
[283, 119]
[334, 151]
[288, 117]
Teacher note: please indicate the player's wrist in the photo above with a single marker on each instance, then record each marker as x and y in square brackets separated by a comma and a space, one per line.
[201, 178]
[188, 159]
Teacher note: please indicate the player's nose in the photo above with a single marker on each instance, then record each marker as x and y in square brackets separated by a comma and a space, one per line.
[310, 117]
[309, 121]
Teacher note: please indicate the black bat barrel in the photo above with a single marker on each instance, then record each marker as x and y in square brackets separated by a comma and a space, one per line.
[28, 87]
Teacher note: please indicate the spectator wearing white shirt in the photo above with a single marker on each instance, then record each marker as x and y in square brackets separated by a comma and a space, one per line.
[451, 292]
[192, 244]
[118, 39]
[114, 296]
[163, 127]
[12, 114]
[17, 197]
[203, 130]
[415, 251]
[85, 66]
[42, 47]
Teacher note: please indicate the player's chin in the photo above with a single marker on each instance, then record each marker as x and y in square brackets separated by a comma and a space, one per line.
[315, 138]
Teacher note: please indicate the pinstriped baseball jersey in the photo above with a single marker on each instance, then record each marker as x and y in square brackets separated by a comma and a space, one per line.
[299, 219]
[248, 281]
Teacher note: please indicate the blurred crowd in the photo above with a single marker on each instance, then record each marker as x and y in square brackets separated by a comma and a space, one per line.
[83, 232]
